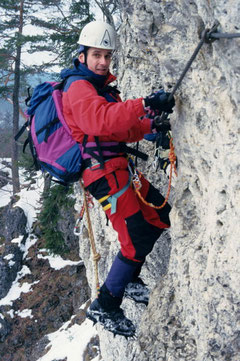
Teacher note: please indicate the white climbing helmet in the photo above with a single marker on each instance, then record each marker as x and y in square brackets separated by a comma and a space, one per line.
[98, 34]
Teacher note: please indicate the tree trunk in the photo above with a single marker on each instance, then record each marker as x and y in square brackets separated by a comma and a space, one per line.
[47, 183]
[15, 170]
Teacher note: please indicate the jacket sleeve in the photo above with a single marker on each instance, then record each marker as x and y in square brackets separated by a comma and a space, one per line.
[94, 115]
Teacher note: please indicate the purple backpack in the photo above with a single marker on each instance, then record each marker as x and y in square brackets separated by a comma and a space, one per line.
[51, 143]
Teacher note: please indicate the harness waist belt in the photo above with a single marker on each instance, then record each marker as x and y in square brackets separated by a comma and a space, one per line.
[110, 201]
[99, 149]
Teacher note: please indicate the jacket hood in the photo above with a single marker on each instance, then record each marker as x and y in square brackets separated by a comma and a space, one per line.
[82, 69]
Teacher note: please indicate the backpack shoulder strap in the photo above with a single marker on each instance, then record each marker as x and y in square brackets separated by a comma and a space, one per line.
[21, 131]
[100, 91]
[68, 80]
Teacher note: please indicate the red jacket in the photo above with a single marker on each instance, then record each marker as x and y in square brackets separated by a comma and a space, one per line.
[86, 112]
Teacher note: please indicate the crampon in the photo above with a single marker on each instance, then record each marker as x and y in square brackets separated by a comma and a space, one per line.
[137, 291]
[113, 321]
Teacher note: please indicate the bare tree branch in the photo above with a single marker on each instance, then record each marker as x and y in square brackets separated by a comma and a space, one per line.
[20, 109]
[104, 6]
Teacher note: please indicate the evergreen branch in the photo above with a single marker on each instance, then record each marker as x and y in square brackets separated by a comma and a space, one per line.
[6, 178]
[73, 27]
[63, 16]
[48, 25]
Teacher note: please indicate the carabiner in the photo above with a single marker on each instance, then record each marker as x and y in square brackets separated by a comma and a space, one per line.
[78, 228]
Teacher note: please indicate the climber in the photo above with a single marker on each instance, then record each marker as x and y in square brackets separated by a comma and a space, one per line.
[96, 115]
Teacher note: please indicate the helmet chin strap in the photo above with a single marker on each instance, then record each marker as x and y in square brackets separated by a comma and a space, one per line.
[85, 56]
[83, 50]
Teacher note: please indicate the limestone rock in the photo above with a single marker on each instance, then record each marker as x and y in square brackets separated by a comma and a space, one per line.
[12, 225]
[194, 309]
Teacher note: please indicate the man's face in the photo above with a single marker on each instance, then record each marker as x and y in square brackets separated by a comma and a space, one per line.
[98, 60]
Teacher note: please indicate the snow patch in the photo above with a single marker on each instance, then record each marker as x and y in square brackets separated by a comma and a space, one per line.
[30, 199]
[11, 264]
[70, 342]
[6, 191]
[11, 313]
[25, 313]
[30, 241]
[17, 240]
[58, 262]
[17, 288]
[9, 256]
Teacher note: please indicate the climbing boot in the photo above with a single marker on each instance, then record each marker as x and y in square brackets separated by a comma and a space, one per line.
[137, 291]
[112, 320]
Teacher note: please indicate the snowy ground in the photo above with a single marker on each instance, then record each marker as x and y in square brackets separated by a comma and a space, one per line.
[70, 342]
[67, 342]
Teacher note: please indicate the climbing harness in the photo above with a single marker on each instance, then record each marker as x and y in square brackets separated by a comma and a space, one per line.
[110, 201]
[96, 256]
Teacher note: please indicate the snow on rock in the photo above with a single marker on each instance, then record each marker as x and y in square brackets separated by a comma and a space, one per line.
[57, 262]
[18, 288]
[72, 338]
[29, 200]
[6, 190]
[24, 313]
[70, 342]
[9, 257]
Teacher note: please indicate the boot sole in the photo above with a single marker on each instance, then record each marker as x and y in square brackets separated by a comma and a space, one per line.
[96, 317]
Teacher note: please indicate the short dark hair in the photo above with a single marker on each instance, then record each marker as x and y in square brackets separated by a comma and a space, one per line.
[83, 49]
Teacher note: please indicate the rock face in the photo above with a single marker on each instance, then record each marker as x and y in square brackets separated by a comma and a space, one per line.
[51, 297]
[12, 225]
[195, 302]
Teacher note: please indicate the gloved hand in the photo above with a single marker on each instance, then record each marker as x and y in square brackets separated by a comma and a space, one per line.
[159, 102]
[160, 124]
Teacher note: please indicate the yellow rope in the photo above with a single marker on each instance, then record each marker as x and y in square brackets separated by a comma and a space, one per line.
[96, 256]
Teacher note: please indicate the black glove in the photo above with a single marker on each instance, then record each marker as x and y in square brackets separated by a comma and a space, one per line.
[161, 123]
[159, 101]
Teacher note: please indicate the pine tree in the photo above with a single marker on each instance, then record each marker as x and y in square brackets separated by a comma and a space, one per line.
[62, 31]
[60, 26]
